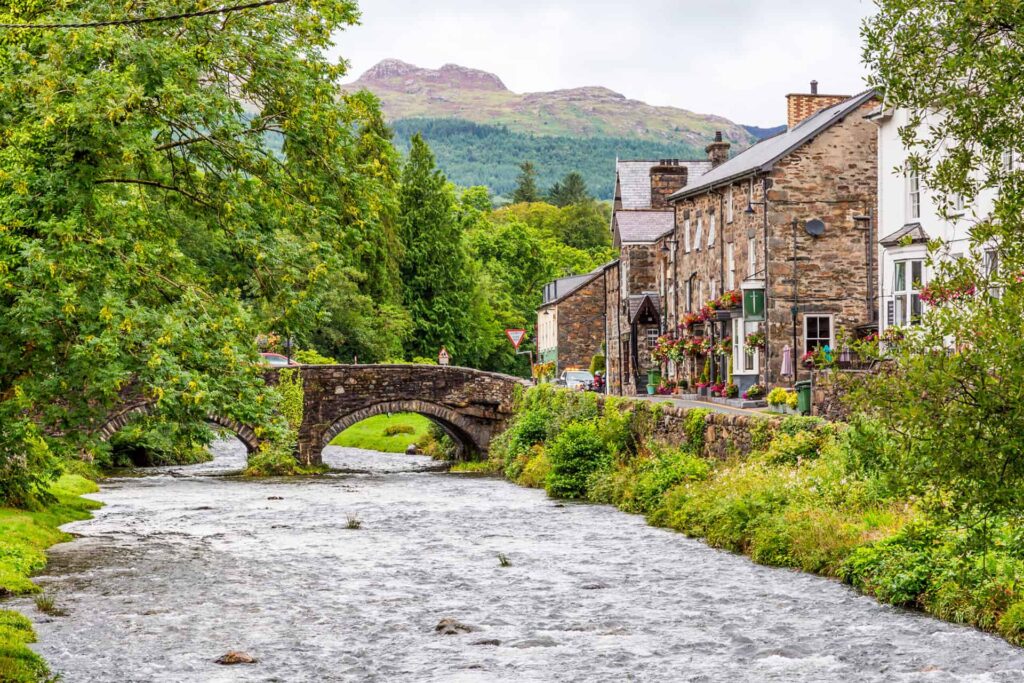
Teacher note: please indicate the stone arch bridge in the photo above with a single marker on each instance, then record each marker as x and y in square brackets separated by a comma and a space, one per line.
[470, 405]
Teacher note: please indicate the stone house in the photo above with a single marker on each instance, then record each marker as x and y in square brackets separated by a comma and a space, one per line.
[571, 321]
[786, 225]
[641, 216]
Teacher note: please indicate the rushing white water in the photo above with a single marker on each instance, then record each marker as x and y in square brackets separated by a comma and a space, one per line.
[182, 566]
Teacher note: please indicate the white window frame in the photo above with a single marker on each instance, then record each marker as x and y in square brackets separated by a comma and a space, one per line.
[752, 255]
[909, 292]
[711, 230]
[651, 339]
[686, 235]
[698, 235]
[740, 330]
[914, 195]
[831, 329]
[728, 205]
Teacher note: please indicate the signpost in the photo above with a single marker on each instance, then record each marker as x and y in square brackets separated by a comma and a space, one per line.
[443, 357]
[516, 337]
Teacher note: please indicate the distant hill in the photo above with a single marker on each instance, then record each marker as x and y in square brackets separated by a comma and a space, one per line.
[481, 130]
[474, 154]
[762, 133]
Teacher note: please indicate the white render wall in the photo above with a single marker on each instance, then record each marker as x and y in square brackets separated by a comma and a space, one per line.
[895, 212]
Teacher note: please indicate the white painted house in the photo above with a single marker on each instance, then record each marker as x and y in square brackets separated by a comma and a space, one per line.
[909, 216]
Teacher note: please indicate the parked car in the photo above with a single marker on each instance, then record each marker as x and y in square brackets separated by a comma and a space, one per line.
[576, 379]
[276, 360]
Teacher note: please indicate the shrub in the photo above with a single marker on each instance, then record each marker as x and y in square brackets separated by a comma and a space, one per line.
[731, 390]
[576, 453]
[536, 470]
[395, 430]
[1011, 624]
[597, 364]
[658, 475]
[694, 428]
[778, 396]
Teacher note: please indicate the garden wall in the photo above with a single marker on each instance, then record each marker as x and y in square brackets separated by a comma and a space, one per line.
[725, 436]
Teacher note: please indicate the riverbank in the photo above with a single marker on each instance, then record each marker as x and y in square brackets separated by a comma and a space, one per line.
[386, 433]
[803, 494]
[26, 535]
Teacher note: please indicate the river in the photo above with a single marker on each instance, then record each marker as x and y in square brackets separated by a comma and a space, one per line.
[184, 564]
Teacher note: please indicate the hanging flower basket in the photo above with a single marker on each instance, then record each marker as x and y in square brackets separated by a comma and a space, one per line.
[756, 340]
[731, 299]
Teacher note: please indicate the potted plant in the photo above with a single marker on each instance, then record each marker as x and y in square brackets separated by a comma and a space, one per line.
[717, 389]
[754, 393]
[702, 387]
[731, 299]
[731, 390]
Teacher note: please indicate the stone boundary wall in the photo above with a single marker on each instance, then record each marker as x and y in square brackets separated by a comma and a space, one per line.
[725, 435]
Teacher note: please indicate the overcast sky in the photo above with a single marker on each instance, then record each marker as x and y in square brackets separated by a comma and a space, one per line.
[736, 58]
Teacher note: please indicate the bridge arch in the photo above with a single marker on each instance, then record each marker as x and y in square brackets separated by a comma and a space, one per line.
[117, 422]
[467, 436]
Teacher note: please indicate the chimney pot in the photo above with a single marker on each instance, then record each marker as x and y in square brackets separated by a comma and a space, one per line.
[814, 87]
[718, 136]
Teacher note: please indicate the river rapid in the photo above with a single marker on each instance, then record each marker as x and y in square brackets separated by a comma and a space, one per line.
[184, 564]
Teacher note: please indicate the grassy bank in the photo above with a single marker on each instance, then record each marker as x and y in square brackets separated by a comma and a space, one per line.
[813, 496]
[24, 537]
[386, 433]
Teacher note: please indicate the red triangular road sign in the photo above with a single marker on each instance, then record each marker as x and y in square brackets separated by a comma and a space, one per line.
[516, 337]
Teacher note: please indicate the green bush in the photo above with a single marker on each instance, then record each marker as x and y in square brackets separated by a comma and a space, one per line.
[575, 454]
[597, 364]
[396, 429]
[1011, 624]
[694, 428]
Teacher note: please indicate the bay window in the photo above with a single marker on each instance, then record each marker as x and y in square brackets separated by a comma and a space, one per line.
[906, 286]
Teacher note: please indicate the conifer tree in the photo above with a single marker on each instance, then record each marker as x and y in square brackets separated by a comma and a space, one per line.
[435, 269]
[526, 185]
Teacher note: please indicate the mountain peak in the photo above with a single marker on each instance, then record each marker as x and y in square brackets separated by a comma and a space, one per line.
[396, 74]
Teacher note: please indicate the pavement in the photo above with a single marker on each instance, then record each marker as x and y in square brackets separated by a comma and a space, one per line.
[708, 405]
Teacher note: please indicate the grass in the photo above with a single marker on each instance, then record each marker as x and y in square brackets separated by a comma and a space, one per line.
[385, 433]
[46, 604]
[479, 467]
[354, 522]
[503, 560]
[26, 534]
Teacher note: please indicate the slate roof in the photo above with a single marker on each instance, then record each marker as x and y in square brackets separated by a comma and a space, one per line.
[644, 227]
[912, 230]
[634, 180]
[636, 302]
[567, 286]
[763, 155]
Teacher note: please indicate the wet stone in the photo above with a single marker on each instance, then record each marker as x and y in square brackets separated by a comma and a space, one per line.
[451, 627]
[235, 657]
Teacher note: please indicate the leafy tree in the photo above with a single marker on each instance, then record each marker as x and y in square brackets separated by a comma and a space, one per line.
[954, 396]
[526, 185]
[572, 189]
[148, 232]
[436, 272]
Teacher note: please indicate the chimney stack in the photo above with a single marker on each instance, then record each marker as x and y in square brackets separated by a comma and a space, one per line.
[667, 176]
[718, 151]
[800, 107]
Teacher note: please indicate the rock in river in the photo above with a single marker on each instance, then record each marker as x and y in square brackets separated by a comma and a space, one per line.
[235, 657]
[451, 627]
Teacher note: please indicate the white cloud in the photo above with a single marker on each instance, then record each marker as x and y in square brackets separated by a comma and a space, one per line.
[735, 58]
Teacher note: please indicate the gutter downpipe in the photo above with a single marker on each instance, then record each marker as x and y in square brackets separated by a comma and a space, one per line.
[767, 289]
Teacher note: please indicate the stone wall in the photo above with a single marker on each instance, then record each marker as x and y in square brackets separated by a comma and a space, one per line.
[581, 325]
[725, 436]
[472, 406]
[612, 320]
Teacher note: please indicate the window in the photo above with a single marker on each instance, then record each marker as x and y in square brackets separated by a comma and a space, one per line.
[1008, 160]
[728, 205]
[652, 338]
[714, 291]
[752, 255]
[730, 272]
[745, 360]
[697, 235]
[686, 235]
[914, 194]
[817, 332]
[689, 296]
[711, 229]
[991, 262]
[906, 287]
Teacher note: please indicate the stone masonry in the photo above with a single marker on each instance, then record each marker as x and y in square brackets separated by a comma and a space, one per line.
[471, 405]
